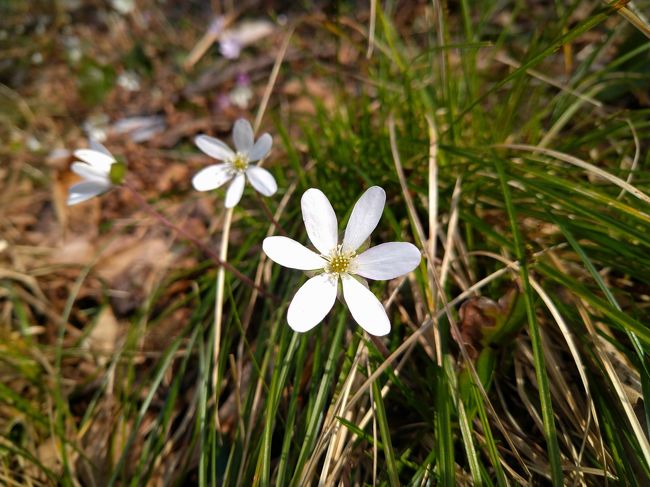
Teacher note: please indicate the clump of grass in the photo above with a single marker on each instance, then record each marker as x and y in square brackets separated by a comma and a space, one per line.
[512, 152]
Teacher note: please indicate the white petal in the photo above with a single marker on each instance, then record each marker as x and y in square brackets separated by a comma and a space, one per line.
[320, 220]
[365, 307]
[230, 47]
[262, 180]
[84, 191]
[98, 147]
[211, 177]
[289, 253]
[261, 148]
[387, 261]
[214, 148]
[96, 159]
[235, 190]
[312, 302]
[91, 173]
[364, 218]
[242, 135]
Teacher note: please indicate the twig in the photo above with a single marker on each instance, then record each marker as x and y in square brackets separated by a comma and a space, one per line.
[197, 243]
[269, 215]
[212, 34]
[272, 79]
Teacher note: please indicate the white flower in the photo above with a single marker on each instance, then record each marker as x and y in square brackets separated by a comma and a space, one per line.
[237, 165]
[230, 47]
[316, 297]
[95, 170]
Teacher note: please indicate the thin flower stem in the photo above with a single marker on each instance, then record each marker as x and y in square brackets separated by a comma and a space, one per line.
[218, 309]
[197, 243]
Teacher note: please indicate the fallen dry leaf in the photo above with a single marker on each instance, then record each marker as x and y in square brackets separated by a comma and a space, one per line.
[132, 255]
[104, 335]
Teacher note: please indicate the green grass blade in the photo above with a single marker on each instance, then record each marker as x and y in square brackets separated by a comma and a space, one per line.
[536, 340]
[384, 430]
[316, 411]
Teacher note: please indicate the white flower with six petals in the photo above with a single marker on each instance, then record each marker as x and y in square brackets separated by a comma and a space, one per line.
[95, 168]
[316, 297]
[236, 166]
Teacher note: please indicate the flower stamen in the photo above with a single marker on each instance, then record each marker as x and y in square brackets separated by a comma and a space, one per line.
[339, 262]
[239, 162]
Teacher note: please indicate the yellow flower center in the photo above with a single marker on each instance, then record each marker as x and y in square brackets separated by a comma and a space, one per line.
[338, 261]
[239, 162]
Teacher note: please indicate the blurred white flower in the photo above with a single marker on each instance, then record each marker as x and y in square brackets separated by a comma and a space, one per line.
[216, 25]
[233, 40]
[96, 168]
[230, 47]
[316, 297]
[73, 48]
[33, 143]
[241, 94]
[236, 166]
[96, 127]
[123, 6]
[139, 128]
[129, 80]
